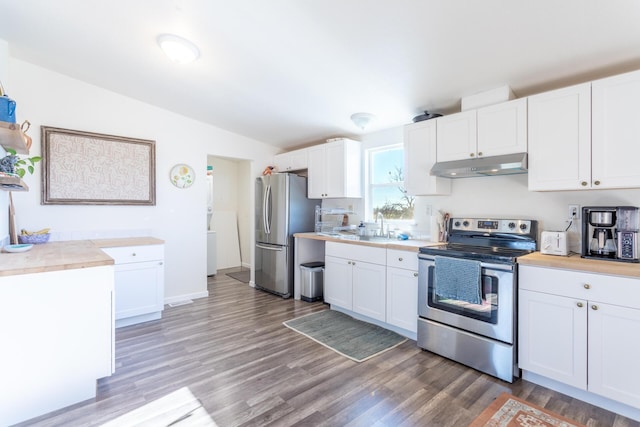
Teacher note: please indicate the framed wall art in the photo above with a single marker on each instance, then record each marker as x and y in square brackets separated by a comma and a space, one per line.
[84, 168]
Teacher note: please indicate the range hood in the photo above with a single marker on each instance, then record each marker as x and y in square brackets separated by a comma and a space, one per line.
[508, 164]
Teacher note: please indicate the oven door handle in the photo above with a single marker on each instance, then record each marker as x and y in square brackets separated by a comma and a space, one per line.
[429, 261]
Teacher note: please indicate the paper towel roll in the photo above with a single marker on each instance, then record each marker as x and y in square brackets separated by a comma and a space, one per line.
[434, 228]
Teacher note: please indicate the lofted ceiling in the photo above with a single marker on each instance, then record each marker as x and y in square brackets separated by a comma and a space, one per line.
[291, 72]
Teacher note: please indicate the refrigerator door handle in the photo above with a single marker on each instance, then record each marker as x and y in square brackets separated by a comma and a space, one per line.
[270, 248]
[266, 219]
[269, 208]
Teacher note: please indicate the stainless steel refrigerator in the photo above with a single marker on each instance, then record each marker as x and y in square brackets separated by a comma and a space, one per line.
[282, 209]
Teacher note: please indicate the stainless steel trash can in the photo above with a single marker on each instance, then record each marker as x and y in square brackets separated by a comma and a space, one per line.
[311, 281]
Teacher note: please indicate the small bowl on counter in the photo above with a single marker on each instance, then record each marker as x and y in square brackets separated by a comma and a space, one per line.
[17, 248]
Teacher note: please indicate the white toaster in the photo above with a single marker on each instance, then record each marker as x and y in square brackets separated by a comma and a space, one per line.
[554, 243]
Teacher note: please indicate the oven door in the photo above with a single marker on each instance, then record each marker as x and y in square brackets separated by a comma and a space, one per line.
[493, 318]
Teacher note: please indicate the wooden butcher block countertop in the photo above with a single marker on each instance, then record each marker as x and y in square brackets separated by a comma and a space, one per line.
[575, 262]
[66, 255]
[402, 245]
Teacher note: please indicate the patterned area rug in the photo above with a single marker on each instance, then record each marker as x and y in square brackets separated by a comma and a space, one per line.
[510, 411]
[242, 276]
[345, 335]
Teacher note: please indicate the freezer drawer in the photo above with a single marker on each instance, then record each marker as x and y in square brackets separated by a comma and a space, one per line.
[272, 269]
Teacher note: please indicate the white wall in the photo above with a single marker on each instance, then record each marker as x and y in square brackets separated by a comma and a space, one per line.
[231, 193]
[246, 187]
[500, 196]
[46, 98]
[225, 183]
[4, 78]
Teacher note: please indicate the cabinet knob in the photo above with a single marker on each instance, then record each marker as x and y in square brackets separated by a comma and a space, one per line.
[580, 304]
[594, 307]
[583, 183]
[160, 263]
[471, 154]
[479, 153]
[587, 286]
[133, 254]
[415, 274]
[400, 259]
[596, 182]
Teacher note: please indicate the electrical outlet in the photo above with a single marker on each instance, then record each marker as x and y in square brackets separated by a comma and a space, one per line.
[574, 212]
[429, 210]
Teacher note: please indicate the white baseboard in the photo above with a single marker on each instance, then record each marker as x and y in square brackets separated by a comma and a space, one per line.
[179, 298]
[594, 399]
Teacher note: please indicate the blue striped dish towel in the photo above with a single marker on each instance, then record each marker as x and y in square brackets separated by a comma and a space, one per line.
[458, 279]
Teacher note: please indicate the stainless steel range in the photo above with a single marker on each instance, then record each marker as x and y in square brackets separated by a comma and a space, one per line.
[467, 293]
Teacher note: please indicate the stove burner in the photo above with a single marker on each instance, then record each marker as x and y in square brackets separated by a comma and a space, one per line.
[494, 254]
[490, 240]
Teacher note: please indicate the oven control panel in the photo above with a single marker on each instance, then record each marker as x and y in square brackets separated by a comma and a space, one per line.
[512, 226]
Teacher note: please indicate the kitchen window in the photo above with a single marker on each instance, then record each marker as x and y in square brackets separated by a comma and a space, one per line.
[385, 191]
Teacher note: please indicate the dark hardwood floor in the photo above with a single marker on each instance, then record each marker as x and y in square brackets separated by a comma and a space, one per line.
[234, 354]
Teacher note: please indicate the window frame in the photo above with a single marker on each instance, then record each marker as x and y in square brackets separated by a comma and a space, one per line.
[369, 185]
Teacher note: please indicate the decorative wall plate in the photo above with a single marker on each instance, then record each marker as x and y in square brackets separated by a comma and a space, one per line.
[182, 176]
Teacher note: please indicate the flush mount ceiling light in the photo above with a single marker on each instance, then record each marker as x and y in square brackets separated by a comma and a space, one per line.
[178, 49]
[362, 120]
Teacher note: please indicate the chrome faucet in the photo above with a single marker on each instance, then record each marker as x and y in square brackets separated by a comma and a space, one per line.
[380, 217]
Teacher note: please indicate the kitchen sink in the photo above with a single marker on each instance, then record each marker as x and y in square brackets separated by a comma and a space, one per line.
[380, 239]
[349, 236]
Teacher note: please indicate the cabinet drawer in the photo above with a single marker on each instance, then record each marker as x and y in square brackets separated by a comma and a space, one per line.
[357, 252]
[128, 254]
[623, 291]
[402, 259]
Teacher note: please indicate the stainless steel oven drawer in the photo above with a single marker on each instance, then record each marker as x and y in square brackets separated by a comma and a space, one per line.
[486, 355]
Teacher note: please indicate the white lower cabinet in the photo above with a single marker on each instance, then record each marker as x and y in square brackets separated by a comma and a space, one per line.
[553, 337]
[580, 329]
[355, 278]
[379, 283]
[402, 289]
[369, 289]
[139, 283]
[338, 287]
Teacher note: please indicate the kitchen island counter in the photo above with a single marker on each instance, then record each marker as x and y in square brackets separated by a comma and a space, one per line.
[576, 263]
[65, 255]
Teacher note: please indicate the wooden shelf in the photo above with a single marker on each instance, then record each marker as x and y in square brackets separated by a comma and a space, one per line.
[12, 137]
[12, 183]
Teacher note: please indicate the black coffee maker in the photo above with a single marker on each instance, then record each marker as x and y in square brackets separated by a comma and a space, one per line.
[610, 233]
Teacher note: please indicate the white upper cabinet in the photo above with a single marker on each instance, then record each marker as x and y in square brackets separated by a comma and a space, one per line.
[488, 131]
[292, 160]
[615, 141]
[334, 170]
[456, 136]
[502, 128]
[560, 139]
[419, 157]
[586, 136]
